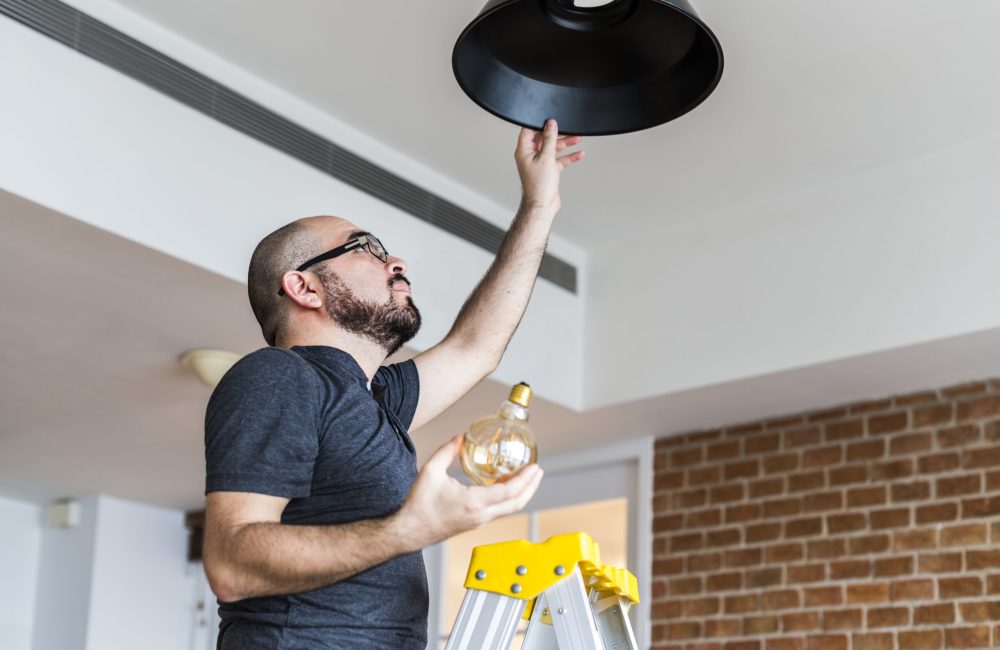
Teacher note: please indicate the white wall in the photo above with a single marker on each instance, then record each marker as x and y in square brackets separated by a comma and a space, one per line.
[140, 594]
[20, 539]
[784, 284]
[93, 144]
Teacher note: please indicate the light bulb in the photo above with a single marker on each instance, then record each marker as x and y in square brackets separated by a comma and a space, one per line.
[497, 445]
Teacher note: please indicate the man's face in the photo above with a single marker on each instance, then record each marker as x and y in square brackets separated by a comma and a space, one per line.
[367, 296]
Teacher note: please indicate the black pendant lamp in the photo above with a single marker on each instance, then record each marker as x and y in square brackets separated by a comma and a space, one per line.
[622, 66]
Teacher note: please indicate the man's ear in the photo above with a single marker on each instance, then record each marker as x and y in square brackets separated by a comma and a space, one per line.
[302, 289]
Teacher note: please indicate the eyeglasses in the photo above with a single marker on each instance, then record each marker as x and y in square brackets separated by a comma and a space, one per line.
[368, 241]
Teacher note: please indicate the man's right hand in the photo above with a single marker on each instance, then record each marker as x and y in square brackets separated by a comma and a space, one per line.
[438, 506]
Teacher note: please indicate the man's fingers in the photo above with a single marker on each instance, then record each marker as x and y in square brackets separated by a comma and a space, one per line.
[517, 500]
[445, 455]
[526, 139]
[567, 141]
[569, 159]
[549, 137]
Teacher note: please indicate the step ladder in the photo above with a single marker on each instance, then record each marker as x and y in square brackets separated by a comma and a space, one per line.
[570, 599]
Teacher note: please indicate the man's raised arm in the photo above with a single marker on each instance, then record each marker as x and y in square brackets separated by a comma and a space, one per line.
[485, 324]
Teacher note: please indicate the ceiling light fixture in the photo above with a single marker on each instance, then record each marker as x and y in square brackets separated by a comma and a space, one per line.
[209, 365]
[598, 68]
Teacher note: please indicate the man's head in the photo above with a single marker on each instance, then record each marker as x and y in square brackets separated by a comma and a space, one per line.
[357, 286]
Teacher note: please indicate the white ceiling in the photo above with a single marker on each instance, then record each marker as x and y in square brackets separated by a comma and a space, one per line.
[93, 399]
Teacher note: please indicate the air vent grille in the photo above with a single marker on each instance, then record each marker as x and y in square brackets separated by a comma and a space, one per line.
[123, 53]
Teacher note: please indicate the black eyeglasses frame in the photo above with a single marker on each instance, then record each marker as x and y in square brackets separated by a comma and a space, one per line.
[369, 241]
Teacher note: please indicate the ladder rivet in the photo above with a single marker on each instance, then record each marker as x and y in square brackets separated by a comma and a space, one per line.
[521, 570]
[480, 575]
[614, 612]
[562, 610]
[515, 588]
[560, 569]
[545, 612]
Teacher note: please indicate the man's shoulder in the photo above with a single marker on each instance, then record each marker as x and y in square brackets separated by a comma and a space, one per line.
[267, 366]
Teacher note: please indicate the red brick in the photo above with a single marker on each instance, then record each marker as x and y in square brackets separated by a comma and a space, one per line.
[868, 593]
[940, 562]
[704, 562]
[660, 546]
[920, 640]
[668, 567]
[865, 497]
[658, 589]
[959, 436]
[806, 481]
[983, 507]
[939, 614]
[980, 612]
[724, 450]
[743, 429]
[667, 610]
[704, 518]
[845, 523]
[701, 607]
[754, 625]
[701, 437]
[964, 390]
[665, 523]
[744, 557]
[781, 464]
[767, 487]
[993, 481]
[822, 501]
[960, 587]
[888, 423]
[826, 548]
[781, 599]
[690, 499]
[915, 398]
[913, 491]
[727, 493]
[933, 414]
[763, 533]
[805, 527]
[782, 508]
[704, 476]
[742, 645]
[937, 463]
[892, 470]
[993, 584]
[893, 566]
[681, 631]
[684, 586]
[822, 456]
[742, 513]
[888, 617]
[891, 518]
[868, 544]
[743, 469]
[800, 622]
[725, 627]
[937, 512]
[912, 590]
[872, 641]
[826, 642]
[724, 582]
[724, 537]
[827, 414]
[848, 569]
[668, 441]
[910, 443]
[978, 408]
[873, 405]
[967, 637]
[963, 535]
[801, 437]
[806, 573]
[741, 604]
[843, 430]
[686, 457]
[763, 578]
[784, 422]
[660, 462]
[983, 457]
[687, 542]
[784, 553]
[824, 596]
[979, 560]
[847, 475]
[668, 481]
[762, 444]
[867, 450]
[914, 539]
[842, 619]
[991, 431]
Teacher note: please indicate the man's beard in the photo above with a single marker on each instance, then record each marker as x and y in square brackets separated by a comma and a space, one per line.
[389, 325]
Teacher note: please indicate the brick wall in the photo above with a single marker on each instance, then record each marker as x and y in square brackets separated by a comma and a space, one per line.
[871, 526]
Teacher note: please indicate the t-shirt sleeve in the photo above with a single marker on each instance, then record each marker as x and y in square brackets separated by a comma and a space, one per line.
[402, 389]
[262, 426]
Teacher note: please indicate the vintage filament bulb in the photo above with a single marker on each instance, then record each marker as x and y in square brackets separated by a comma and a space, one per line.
[497, 445]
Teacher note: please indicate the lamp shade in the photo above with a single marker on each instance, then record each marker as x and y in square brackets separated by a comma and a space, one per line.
[209, 365]
[621, 66]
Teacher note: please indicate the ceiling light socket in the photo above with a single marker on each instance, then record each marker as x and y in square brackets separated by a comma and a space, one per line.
[64, 513]
[209, 365]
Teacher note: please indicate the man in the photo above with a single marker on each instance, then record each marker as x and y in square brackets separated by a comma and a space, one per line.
[315, 513]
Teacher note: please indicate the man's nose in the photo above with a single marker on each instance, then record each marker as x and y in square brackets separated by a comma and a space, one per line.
[395, 265]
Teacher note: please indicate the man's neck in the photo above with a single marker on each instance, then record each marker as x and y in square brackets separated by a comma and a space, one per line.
[368, 354]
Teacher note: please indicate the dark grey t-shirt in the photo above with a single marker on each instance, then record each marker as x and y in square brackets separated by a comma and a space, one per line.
[302, 424]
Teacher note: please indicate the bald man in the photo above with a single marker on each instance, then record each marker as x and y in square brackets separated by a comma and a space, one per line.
[316, 513]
